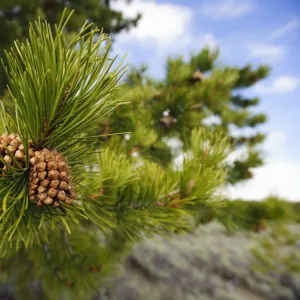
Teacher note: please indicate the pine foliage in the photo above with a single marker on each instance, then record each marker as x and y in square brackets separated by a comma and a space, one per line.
[194, 91]
[62, 91]
[16, 14]
[255, 216]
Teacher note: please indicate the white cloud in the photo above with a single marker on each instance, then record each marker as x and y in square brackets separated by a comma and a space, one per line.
[265, 48]
[274, 145]
[208, 39]
[284, 29]
[279, 176]
[281, 84]
[276, 178]
[240, 153]
[212, 120]
[164, 29]
[226, 9]
[266, 51]
[161, 24]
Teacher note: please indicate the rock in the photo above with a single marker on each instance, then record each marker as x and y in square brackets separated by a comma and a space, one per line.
[209, 264]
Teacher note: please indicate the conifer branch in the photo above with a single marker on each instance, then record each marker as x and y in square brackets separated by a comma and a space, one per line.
[62, 91]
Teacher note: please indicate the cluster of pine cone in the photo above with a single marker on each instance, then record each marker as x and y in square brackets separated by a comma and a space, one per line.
[50, 178]
[11, 146]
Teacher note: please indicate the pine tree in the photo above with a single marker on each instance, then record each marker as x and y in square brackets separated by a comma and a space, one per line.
[256, 215]
[191, 92]
[62, 91]
[16, 14]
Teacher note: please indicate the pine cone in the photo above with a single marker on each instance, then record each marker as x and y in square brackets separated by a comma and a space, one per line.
[50, 175]
[167, 121]
[196, 77]
[50, 178]
[11, 145]
[157, 95]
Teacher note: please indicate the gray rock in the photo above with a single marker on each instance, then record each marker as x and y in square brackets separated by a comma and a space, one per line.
[209, 264]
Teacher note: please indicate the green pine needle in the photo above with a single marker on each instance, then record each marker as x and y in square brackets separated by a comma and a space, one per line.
[61, 89]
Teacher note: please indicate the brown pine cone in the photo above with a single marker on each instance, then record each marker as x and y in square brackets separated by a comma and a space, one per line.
[196, 77]
[50, 178]
[167, 121]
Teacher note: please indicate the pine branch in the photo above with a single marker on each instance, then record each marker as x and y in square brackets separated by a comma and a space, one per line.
[62, 91]
[59, 89]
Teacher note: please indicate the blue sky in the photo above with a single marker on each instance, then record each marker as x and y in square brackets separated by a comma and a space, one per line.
[247, 31]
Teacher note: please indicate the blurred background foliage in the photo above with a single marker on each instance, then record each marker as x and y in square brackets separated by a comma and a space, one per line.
[194, 92]
[15, 16]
